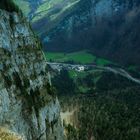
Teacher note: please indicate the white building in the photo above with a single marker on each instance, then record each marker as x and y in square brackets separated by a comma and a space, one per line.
[81, 68]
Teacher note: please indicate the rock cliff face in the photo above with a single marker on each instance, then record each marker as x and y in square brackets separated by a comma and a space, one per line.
[28, 105]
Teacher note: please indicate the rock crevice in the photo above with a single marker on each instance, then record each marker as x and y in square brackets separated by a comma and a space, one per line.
[27, 106]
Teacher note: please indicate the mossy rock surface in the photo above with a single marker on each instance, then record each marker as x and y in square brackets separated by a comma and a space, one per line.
[7, 135]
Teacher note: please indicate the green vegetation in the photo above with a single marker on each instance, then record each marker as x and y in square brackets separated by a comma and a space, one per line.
[108, 116]
[75, 74]
[53, 8]
[76, 82]
[131, 67]
[24, 5]
[77, 57]
[54, 56]
[9, 5]
[64, 9]
[102, 62]
[83, 89]
[48, 5]
[63, 83]
[109, 112]
[81, 57]
[108, 109]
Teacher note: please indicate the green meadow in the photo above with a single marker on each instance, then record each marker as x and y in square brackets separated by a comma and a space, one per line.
[53, 6]
[81, 57]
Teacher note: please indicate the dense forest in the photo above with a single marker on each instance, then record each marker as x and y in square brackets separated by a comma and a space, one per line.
[64, 84]
[108, 116]
[109, 110]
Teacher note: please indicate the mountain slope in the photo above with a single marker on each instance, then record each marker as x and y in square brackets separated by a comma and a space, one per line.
[107, 28]
[112, 33]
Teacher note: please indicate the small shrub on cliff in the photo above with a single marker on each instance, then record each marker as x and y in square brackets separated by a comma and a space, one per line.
[26, 82]
[17, 80]
[8, 81]
[51, 90]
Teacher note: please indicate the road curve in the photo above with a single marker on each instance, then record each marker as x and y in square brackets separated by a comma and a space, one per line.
[119, 71]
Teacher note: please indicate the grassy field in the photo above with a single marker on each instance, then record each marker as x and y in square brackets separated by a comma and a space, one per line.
[48, 8]
[75, 75]
[53, 8]
[77, 57]
[81, 57]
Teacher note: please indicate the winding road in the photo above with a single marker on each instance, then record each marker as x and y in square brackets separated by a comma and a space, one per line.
[115, 70]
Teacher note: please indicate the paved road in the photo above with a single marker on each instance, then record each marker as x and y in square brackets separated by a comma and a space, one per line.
[119, 71]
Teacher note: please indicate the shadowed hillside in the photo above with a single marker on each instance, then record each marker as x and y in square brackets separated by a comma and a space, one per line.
[106, 28]
[8, 5]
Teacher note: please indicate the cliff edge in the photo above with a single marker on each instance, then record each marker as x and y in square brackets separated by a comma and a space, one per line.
[29, 107]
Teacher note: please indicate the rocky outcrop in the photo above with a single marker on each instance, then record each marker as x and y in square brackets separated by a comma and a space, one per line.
[28, 104]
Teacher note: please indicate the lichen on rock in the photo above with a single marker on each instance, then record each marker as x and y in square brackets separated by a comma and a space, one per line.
[26, 105]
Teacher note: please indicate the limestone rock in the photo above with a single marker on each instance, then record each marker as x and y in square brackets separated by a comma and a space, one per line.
[28, 106]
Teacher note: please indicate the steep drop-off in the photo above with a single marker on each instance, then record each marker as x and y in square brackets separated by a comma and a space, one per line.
[28, 105]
